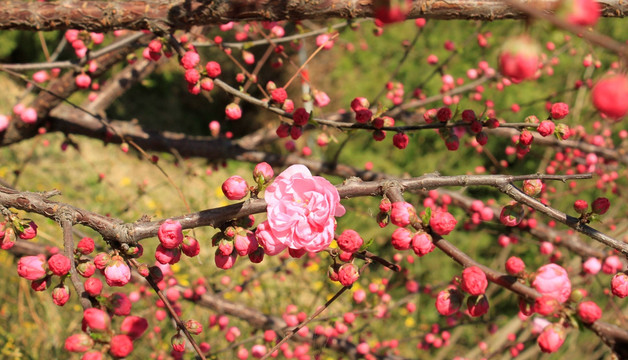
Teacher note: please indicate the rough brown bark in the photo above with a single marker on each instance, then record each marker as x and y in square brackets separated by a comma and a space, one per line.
[182, 14]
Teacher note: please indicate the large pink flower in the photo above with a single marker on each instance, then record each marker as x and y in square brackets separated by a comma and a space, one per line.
[301, 210]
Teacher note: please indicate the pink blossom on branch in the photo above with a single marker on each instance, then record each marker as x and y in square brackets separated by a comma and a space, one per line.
[552, 280]
[301, 210]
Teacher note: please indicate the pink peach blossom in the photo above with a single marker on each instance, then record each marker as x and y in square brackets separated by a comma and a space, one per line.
[301, 210]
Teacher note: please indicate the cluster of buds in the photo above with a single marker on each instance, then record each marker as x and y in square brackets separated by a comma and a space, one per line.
[236, 188]
[599, 207]
[172, 242]
[300, 118]
[234, 241]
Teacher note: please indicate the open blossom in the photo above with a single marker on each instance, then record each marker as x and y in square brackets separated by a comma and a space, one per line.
[552, 280]
[301, 210]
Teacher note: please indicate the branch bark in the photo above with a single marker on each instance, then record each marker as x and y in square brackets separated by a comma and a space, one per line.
[154, 15]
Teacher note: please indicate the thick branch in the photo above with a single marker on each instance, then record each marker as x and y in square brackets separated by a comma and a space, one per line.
[182, 14]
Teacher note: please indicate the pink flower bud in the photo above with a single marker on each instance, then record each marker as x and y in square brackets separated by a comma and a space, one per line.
[133, 326]
[93, 286]
[170, 234]
[85, 246]
[551, 338]
[83, 81]
[580, 206]
[592, 266]
[190, 59]
[41, 284]
[279, 95]
[559, 110]
[92, 355]
[552, 280]
[167, 256]
[321, 99]
[348, 274]
[194, 327]
[235, 188]
[402, 213]
[225, 262]
[257, 256]
[190, 246]
[213, 69]
[120, 346]
[474, 280]
[59, 264]
[515, 265]
[359, 103]
[612, 265]
[30, 231]
[400, 140]
[519, 58]
[422, 244]
[546, 128]
[401, 239]
[101, 260]
[245, 245]
[477, 305]
[545, 305]
[117, 273]
[264, 172]
[511, 215]
[121, 304]
[619, 285]
[600, 205]
[96, 319]
[385, 205]
[442, 222]
[350, 241]
[609, 94]
[583, 12]
[29, 115]
[589, 312]
[532, 187]
[79, 343]
[31, 267]
[178, 342]
[300, 117]
[448, 301]
[60, 295]
[258, 351]
[364, 115]
[233, 111]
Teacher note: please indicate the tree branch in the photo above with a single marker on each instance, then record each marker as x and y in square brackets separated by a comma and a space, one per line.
[182, 14]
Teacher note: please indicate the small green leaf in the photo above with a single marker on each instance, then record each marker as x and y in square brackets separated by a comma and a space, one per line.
[366, 245]
[427, 216]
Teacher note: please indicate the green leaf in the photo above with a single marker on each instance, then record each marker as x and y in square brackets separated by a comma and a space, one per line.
[427, 216]
[366, 245]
